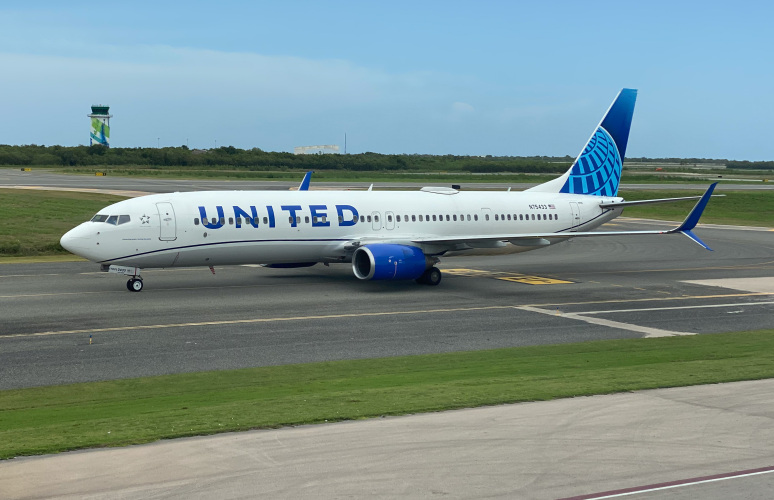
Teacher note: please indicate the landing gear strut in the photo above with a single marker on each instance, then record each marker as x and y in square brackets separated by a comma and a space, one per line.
[134, 284]
[430, 277]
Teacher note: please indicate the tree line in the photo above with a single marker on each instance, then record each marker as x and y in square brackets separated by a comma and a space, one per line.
[256, 159]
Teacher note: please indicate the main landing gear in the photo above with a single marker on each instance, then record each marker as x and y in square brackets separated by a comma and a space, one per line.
[430, 277]
[134, 284]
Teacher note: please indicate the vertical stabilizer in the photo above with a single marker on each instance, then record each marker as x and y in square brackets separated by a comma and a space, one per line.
[597, 170]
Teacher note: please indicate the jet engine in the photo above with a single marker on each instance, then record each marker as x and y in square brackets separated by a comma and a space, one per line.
[389, 262]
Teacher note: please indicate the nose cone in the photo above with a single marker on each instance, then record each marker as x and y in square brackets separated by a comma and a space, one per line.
[75, 241]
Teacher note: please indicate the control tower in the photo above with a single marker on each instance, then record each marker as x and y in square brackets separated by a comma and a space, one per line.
[100, 125]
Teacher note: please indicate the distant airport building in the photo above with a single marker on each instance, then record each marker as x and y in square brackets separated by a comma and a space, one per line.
[100, 125]
[313, 150]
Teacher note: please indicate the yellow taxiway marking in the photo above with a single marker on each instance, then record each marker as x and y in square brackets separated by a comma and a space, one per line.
[514, 277]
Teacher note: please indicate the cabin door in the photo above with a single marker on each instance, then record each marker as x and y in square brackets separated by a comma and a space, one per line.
[575, 216]
[389, 223]
[376, 221]
[167, 226]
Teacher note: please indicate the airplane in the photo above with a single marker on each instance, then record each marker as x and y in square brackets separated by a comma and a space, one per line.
[384, 235]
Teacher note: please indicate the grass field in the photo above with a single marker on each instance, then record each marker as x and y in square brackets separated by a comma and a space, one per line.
[33, 221]
[122, 412]
[742, 208]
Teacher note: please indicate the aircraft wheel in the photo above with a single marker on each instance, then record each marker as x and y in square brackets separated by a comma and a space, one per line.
[430, 277]
[134, 285]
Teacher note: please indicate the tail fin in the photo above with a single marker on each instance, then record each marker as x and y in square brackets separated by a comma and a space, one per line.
[597, 170]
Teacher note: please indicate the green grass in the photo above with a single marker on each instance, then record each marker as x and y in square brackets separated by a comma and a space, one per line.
[122, 412]
[744, 208]
[33, 221]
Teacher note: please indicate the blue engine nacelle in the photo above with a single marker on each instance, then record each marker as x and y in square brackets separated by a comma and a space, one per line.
[389, 262]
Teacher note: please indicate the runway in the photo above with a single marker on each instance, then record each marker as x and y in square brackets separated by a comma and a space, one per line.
[49, 178]
[67, 322]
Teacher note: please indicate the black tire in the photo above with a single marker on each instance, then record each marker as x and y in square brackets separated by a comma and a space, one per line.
[432, 276]
[134, 285]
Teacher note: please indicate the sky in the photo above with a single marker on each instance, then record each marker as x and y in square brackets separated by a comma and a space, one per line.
[503, 78]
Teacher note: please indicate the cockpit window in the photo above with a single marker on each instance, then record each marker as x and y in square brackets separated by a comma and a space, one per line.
[116, 220]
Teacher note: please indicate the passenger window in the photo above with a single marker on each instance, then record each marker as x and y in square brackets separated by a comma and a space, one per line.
[290, 220]
[112, 219]
[533, 216]
[222, 220]
[397, 218]
[521, 217]
[123, 219]
[487, 216]
[298, 220]
[306, 219]
[196, 221]
[447, 218]
[99, 218]
[433, 218]
[413, 218]
[239, 221]
[362, 218]
[427, 218]
[230, 221]
[496, 217]
[475, 217]
[389, 218]
[214, 221]
[376, 218]
[509, 216]
[265, 220]
[368, 218]
[420, 218]
[341, 219]
[454, 217]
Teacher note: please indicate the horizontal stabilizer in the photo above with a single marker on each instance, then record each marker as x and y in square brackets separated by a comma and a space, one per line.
[647, 202]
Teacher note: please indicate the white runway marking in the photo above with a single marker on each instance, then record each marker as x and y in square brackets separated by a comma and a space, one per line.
[677, 484]
[762, 284]
[648, 331]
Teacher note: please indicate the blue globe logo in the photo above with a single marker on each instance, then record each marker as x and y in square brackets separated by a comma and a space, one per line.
[598, 169]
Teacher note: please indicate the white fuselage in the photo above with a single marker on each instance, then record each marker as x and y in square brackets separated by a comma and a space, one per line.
[285, 227]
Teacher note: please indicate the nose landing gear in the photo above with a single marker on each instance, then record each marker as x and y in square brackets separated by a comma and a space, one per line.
[135, 280]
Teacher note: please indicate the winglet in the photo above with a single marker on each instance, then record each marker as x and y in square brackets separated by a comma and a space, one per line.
[305, 183]
[693, 218]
